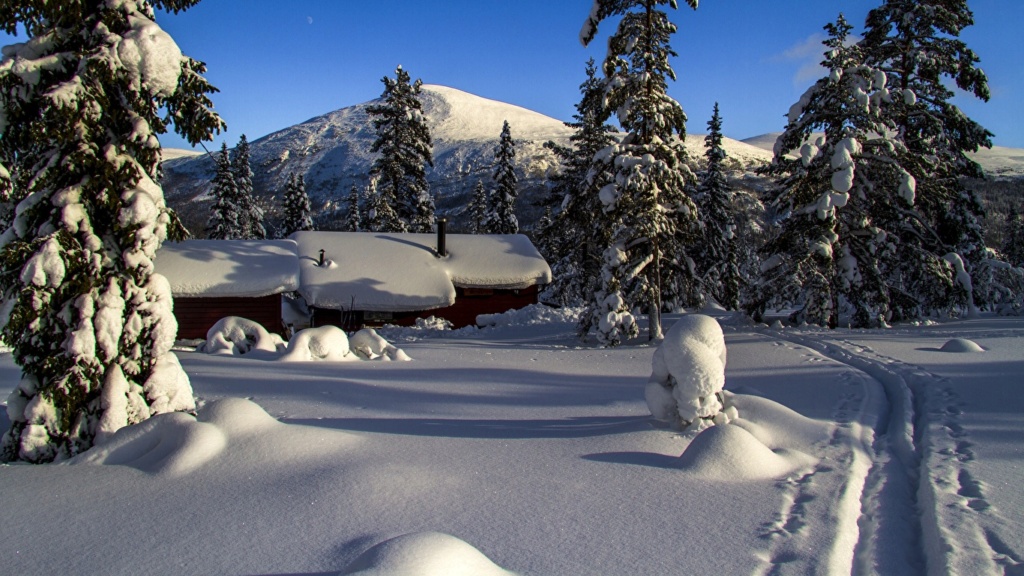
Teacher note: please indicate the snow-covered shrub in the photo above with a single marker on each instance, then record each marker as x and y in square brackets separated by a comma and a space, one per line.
[688, 376]
[328, 343]
[234, 335]
[369, 345]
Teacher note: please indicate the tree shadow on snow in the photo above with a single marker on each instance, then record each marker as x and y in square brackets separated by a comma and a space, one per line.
[648, 459]
[582, 427]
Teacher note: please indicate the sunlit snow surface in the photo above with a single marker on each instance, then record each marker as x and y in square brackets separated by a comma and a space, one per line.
[516, 448]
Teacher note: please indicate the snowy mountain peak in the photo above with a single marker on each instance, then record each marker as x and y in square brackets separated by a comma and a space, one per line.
[332, 152]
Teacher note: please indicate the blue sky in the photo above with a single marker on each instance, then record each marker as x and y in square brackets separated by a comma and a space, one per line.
[280, 63]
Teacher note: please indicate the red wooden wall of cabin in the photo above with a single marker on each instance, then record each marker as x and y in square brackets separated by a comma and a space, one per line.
[469, 303]
[197, 315]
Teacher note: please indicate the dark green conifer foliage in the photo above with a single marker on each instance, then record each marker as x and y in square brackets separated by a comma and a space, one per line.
[224, 216]
[353, 214]
[502, 218]
[297, 213]
[89, 322]
[647, 216]
[574, 239]
[404, 144]
[478, 208]
[718, 260]
[917, 44]
[250, 214]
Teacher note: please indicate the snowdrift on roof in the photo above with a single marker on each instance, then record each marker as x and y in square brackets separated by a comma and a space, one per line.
[221, 268]
[402, 272]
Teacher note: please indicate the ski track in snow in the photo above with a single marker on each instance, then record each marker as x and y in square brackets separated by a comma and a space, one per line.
[812, 498]
[921, 509]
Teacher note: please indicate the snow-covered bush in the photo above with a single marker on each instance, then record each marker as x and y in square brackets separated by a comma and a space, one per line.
[237, 336]
[369, 345]
[328, 343]
[234, 335]
[688, 376]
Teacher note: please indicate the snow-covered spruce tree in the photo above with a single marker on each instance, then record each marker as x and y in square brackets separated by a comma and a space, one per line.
[846, 208]
[1013, 237]
[574, 238]
[916, 43]
[353, 215]
[89, 322]
[250, 214]
[404, 144]
[478, 209]
[501, 218]
[297, 213]
[380, 216]
[647, 213]
[224, 217]
[717, 261]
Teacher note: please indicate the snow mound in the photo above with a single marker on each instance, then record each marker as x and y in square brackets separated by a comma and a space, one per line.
[528, 316]
[172, 444]
[234, 335]
[778, 426]
[424, 554]
[961, 345]
[369, 345]
[688, 375]
[726, 453]
[328, 343]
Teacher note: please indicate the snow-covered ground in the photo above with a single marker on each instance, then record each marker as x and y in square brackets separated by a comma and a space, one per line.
[896, 451]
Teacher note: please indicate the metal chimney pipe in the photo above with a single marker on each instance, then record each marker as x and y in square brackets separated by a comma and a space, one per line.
[442, 232]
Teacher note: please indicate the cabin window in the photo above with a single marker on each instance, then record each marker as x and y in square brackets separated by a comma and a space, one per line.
[378, 316]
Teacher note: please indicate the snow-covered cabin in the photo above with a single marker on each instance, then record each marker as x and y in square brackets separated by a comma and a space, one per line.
[211, 279]
[368, 278]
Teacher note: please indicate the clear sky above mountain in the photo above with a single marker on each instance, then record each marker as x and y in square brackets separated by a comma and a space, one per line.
[280, 63]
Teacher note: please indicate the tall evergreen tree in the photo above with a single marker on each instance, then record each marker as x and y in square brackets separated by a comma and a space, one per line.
[297, 213]
[353, 215]
[250, 214]
[380, 216]
[478, 209]
[848, 232]
[647, 214]
[89, 322]
[501, 218]
[1013, 237]
[404, 144]
[916, 44]
[224, 217]
[718, 261]
[574, 238]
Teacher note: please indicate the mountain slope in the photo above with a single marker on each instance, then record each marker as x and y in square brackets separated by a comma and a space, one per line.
[332, 152]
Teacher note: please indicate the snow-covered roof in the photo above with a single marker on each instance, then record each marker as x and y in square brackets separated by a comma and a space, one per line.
[401, 272]
[218, 268]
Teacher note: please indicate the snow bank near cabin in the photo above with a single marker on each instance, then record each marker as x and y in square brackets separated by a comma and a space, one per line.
[424, 554]
[688, 376]
[235, 336]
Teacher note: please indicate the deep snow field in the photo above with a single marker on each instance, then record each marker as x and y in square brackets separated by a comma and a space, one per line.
[515, 447]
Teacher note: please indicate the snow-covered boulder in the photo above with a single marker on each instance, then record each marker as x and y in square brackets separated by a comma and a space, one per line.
[424, 554]
[688, 375]
[234, 335]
